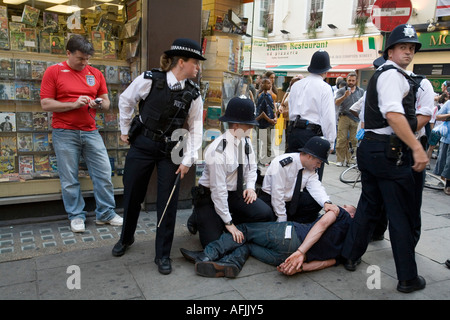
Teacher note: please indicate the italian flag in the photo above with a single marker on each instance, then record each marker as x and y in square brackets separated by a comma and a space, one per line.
[443, 8]
[370, 44]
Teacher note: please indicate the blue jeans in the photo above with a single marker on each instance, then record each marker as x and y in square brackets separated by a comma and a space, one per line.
[69, 146]
[264, 241]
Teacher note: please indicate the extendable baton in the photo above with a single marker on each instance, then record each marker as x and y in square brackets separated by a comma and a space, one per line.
[170, 197]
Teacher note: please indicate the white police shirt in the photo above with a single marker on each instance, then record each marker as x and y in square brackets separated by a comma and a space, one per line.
[139, 89]
[220, 173]
[392, 87]
[280, 181]
[312, 99]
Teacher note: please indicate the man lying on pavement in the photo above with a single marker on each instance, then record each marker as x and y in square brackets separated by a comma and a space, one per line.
[292, 247]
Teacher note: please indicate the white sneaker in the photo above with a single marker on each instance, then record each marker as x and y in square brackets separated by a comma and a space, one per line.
[339, 164]
[77, 225]
[116, 221]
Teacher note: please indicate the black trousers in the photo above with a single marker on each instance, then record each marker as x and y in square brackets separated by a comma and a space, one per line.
[419, 180]
[297, 138]
[394, 186]
[141, 160]
[307, 210]
[209, 224]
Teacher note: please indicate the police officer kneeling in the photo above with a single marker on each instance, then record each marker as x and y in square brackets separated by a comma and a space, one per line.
[221, 201]
[292, 186]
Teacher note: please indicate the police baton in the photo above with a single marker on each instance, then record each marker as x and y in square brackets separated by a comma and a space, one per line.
[170, 197]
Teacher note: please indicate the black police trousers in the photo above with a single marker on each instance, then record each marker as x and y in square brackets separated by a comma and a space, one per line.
[385, 182]
[209, 224]
[142, 158]
[296, 138]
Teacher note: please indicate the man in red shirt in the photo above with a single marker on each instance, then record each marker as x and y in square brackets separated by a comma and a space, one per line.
[70, 90]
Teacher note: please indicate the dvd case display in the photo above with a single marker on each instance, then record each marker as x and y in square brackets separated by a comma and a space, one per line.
[33, 38]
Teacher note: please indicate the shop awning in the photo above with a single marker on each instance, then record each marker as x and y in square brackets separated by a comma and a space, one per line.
[350, 67]
[287, 69]
[342, 70]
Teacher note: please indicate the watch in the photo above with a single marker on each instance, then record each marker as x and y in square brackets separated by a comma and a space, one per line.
[229, 223]
[328, 201]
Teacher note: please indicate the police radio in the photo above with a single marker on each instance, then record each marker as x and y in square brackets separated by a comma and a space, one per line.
[187, 97]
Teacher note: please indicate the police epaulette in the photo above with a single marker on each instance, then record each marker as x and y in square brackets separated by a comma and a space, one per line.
[221, 146]
[148, 75]
[284, 162]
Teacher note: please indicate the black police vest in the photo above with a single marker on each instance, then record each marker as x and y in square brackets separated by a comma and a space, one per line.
[164, 110]
[372, 115]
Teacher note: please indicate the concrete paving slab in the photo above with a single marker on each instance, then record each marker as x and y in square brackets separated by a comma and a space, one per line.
[31, 268]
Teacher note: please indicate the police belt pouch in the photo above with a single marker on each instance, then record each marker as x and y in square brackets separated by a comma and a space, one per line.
[305, 124]
[394, 148]
[135, 129]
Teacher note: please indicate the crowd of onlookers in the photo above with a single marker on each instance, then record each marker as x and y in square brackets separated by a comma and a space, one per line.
[271, 102]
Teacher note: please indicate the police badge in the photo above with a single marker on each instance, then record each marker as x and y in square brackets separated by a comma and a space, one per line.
[90, 80]
[409, 31]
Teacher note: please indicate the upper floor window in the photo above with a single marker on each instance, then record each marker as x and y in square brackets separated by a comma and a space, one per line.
[266, 15]
[314, 20]
[362, 10]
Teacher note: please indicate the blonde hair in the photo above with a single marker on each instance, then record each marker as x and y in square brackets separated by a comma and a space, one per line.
[167, 63]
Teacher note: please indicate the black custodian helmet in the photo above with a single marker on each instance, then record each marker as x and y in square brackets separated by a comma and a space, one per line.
[318, 147]
[403, 33]
[320, 62]
[240, 110]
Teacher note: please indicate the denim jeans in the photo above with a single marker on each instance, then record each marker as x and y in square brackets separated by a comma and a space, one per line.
[69, 145]
[265, 241]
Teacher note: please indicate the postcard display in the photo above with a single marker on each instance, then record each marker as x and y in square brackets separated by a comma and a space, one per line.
[221, 76]
[31, 39]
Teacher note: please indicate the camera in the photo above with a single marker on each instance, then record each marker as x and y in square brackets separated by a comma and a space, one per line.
[98, 100]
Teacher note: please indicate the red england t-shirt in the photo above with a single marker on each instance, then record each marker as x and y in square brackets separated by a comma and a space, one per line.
[62, 83]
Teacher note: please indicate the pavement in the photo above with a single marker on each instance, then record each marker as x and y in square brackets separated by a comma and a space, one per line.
[44, 260]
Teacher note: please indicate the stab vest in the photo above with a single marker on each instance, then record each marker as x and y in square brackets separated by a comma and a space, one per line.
[164, 110]
[372, 115]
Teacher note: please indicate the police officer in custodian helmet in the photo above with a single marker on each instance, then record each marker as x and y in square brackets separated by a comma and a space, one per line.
[221, 201]
[167, 101]
[387, 157]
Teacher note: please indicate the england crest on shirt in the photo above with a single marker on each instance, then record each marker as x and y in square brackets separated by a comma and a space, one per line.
[90, 80]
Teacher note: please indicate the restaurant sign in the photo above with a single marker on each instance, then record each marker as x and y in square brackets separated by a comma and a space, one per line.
[342, 51]
[434, 40]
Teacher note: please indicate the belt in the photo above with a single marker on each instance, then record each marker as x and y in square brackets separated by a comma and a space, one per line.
[369, 135]
[309, 126]
[154, 136]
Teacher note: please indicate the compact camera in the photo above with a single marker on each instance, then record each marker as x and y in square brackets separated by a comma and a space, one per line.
[98, 100]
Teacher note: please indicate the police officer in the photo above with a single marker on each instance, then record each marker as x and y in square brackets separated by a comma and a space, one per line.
[221, 201]
[289, 174]
[387, 157]
[311, 106]
[167, 101]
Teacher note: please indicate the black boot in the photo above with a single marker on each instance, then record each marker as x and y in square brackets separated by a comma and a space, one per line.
[120, 248]
[191, 224]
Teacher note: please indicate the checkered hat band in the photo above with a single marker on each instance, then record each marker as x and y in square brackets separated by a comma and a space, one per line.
[185, 49]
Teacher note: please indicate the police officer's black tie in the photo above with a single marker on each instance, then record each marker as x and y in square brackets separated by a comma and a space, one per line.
[240, 177]
[296, 196]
